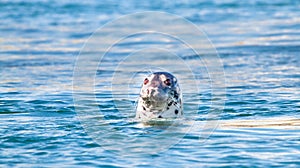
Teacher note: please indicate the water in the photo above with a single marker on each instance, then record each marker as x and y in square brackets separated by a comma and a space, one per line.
[258, 43]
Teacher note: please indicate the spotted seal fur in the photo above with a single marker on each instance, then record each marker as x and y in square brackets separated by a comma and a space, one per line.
[160, 97]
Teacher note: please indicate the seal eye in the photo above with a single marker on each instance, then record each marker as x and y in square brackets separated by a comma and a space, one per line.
[146, 81]
[167, 82]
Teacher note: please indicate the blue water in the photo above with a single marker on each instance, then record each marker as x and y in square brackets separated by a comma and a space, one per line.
[258, 43]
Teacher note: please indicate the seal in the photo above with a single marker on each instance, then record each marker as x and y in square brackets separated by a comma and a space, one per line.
[160, 97]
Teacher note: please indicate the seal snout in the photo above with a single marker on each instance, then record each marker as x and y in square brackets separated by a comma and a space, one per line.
[155, 94]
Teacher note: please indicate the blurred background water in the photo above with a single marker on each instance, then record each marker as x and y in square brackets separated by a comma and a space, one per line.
[257, 41]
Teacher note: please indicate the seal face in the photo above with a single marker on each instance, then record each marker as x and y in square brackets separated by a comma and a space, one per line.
[160, 97]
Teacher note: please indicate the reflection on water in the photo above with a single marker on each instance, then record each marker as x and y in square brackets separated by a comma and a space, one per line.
[258, 43]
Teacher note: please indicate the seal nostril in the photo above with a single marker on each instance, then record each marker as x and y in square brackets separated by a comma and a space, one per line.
[152, 92]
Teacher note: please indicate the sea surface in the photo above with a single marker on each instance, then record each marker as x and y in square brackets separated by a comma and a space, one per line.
[70, 73]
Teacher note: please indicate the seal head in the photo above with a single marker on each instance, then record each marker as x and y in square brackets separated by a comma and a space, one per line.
[160, 97]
